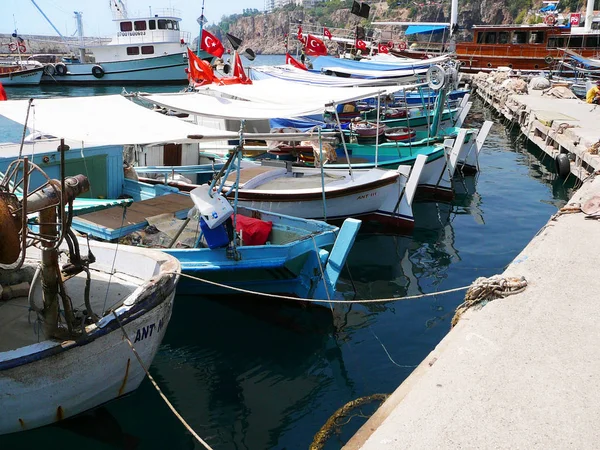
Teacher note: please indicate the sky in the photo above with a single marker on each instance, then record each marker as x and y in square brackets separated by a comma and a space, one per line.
[97, 18]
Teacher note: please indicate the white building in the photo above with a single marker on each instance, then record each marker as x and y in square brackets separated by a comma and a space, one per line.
[269, 5]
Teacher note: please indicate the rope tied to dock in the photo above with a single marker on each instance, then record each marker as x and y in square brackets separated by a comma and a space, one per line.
[333, 422]
[488, 289]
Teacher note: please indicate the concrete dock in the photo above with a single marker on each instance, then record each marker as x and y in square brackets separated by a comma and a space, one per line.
[520, 372]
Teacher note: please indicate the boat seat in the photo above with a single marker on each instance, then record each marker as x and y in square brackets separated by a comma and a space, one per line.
[254, 175]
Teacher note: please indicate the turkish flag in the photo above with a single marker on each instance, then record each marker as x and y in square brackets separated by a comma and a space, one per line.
[199, 71]
[361, 45]
[315, 46]
[299, 34]
[292, 62]
[211, 44]
[326, 33]
[383, 48]
[238, 70]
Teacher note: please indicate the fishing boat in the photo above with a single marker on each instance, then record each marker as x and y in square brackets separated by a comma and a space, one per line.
[297, 257]
[70, 309]
[401, 134]
[14, 74]
[144, 49]
[366, 129]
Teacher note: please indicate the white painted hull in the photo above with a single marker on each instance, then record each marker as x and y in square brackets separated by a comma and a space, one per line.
[374, 192]
[162, 69]
[28, 77]
[48, 381]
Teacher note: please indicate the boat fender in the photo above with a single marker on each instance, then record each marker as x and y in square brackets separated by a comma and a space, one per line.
[402, 45]
[436, 77]
[563, 165]
[60, 69]
[548, 59]
[98, 71]
[550, 20]
[49, 69]
[226, 69]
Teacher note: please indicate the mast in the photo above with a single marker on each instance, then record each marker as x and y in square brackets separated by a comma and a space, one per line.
[589, 15]
[201, 22]
[79, 20]
[454, 25]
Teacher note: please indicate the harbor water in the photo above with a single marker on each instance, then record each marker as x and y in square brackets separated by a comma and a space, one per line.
[258, 374]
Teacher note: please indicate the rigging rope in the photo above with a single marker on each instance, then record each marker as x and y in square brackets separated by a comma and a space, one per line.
[157, 387]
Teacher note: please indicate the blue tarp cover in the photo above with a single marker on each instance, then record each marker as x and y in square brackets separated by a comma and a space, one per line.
[416, 29]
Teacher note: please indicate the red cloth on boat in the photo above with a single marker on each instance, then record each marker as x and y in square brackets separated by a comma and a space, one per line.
[2, 93]
[254, 231]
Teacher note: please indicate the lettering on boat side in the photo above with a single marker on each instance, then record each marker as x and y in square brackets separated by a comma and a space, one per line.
[146, 332]
[372, 194]
[131, 33]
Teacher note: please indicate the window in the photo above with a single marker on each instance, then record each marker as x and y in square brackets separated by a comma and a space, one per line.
[126, 26]
[575, 42]
[503, 37]
[592, 41]
[139, 25]
[480, 36]
[536, 37]
[556, 42]
[152, 24]
[490, 38]
[162, 24]
[519, 37]
[133, 50]
[147, 49]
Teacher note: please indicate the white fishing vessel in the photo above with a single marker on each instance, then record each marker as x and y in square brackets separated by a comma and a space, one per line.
[68, 308]
[144, 49]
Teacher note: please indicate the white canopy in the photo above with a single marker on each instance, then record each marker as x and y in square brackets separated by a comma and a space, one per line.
[294, 103]
[273, 91]
[292, 74]
[104, 120]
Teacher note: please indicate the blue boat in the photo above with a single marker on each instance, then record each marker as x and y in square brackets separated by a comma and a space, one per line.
[297, 257]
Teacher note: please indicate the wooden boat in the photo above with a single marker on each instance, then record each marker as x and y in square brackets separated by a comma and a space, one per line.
[367, 130]
[401, 134]
[297, 256]
[55, 365]
[17, 75]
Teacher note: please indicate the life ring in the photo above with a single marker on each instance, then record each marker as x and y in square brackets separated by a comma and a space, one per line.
[550, 20]
[548, 59]
[12, 47]
[60, 69]
[390, 44]
[562, 165]
[402, 45]
[22, 48]
[98, 71]
[49, 69]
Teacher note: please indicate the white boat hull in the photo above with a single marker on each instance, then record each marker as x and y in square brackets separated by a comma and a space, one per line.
[51, 380]
[161, 69]
[27, 77]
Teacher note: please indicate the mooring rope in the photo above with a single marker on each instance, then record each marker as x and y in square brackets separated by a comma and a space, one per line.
[299, 299]
[157, 387]
[487, 289]
[326, 430]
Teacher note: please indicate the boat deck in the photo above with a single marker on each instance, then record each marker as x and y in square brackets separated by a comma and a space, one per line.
[112, 223]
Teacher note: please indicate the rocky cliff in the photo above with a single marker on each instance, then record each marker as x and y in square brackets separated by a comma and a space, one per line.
[266, 33]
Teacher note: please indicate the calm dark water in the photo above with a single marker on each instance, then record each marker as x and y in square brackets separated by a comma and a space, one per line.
[266, 376]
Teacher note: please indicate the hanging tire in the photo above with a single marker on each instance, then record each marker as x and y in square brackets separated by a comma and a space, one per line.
[562, 165]
[548, 59]
[60, 69]
[49, 70]
[98, 71]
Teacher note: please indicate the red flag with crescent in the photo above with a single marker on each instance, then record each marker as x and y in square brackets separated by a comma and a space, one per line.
[361, 45]
[383, 48]
[326, 33]
[211, 44]
[299, 34]
[238, 70]
[292, 62]
[199, 71]
[315, 46]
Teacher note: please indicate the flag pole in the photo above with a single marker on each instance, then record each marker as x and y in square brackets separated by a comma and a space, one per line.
[201, 27]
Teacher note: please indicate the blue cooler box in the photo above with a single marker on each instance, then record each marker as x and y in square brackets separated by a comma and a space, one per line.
[216, 237]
